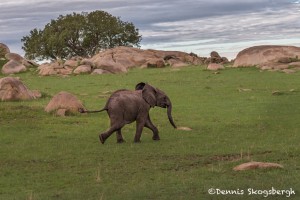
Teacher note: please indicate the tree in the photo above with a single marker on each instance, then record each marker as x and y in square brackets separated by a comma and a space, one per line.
[82, 34]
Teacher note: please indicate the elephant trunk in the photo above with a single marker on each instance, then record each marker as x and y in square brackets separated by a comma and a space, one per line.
[169, 112]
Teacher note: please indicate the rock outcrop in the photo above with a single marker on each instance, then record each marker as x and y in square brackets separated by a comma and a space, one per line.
[119, 60]
[12, 89]
[269, 57]
[215, 58]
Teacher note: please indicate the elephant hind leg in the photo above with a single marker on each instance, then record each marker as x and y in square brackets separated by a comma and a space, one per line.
[105, 135]
[119, 136]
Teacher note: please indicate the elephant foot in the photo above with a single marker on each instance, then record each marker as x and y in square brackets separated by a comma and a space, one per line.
[156, 138]
[102, 140]
[120, 141]
[137, 141]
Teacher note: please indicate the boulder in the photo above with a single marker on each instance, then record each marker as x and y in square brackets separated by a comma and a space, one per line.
[215, 57]
[177, 63]
[46, 70]
[29, 63]
[64, 71]
[215, 67]
[3, 50]
[12, 67]
[71, 63]
[256, 165]
[12, 89]
[64, 103]
[100, 71]
[83, 69]
[266, 55]
[155, 63]
[294, 64]
[86, 61]
[108, 64]
[57, 65]
[14, 56]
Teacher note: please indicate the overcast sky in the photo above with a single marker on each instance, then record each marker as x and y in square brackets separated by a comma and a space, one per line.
[198, 26]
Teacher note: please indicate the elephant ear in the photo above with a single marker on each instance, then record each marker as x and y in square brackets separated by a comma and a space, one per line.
[149, 95]
[140, 86]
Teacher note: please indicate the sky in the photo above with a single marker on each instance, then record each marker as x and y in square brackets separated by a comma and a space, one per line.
[198, 26]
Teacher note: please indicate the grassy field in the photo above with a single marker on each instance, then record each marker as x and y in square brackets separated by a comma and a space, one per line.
[234, 116]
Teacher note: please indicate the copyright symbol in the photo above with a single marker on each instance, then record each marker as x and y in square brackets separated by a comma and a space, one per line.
[212, 191]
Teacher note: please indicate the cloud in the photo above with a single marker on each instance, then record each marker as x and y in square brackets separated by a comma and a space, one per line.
[188, 25]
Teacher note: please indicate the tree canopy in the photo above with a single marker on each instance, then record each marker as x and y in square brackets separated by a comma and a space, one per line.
[82, 34]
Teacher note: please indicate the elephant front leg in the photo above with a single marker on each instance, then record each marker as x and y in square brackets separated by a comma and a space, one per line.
[151, 126]
[139, 129]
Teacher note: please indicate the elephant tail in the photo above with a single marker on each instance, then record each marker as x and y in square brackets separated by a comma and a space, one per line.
[81, 110]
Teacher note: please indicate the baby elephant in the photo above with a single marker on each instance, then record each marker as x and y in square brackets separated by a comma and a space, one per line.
[125, 106]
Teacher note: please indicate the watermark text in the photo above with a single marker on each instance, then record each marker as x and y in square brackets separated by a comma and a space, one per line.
[254, 192]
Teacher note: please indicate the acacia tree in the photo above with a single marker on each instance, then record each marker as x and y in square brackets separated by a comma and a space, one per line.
[79, 35]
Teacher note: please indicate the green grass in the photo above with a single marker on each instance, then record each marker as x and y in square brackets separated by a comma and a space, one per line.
[2, 62]
[234, 117]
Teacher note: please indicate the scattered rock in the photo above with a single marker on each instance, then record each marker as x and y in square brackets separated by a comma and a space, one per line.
[12, 89]
[289, 71]
[244, 90]
[256, 165]
[36, 93]
[182, 128]
[277, 93]
[265, 67]
[64, 104]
